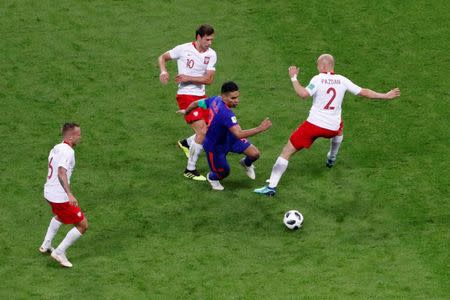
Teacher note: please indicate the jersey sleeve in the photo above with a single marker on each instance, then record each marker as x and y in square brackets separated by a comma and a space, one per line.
[176, 52]
[63, 159]
[212, 62]
[312, 86]
[351, 87]
[229, 119]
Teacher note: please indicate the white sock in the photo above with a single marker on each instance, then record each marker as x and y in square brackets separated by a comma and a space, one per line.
[190, 140]
[335, 143]
[194, 151]
[70, 238]
[278, 169]
[51, 232]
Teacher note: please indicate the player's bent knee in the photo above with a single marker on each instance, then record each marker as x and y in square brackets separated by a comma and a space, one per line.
[198, 125]
[202, 132]
[255, 155]
[82, 226]
[252, 152]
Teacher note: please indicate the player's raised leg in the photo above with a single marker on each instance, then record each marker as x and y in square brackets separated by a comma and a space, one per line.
[53, 228]
[278, 170]
[195, 149]
[335, 143]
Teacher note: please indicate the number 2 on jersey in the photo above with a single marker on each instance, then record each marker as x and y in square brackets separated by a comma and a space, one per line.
[50, 168]
[332, 90]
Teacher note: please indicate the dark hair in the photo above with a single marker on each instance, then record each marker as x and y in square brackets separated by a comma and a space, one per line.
[203, 30]
[68, 126]
[229, 86]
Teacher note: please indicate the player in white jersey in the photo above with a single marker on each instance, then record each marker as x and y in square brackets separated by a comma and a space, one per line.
[324, 120]
[57, 192]
[196, 67]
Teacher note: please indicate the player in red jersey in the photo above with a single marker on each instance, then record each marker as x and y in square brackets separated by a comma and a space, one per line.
[324, 120]
[57, 192]
[196, 68]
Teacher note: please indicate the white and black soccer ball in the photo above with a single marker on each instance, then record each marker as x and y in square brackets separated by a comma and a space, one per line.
[293, 219]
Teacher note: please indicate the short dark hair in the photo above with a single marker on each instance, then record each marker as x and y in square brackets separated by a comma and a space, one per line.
[229, 86]
[68, 126]
[203, 30]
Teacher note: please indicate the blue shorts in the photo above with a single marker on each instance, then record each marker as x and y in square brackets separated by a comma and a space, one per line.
[237, 145]
[217, 158]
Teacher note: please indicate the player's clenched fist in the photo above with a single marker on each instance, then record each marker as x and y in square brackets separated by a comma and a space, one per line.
[265, 124]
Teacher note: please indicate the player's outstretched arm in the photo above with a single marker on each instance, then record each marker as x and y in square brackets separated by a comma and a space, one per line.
[368, 93]
[242, 134]
[207, 79]
[164, 75]
[299, 89]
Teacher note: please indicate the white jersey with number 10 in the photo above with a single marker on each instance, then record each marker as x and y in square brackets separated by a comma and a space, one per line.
[328, 92]
[62, 155]
[191, 62]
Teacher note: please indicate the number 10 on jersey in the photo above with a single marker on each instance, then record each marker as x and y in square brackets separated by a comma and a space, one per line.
[190, 63]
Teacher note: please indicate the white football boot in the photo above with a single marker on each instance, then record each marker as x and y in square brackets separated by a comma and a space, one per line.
[62, 259]
[250, 171]
[215, 184]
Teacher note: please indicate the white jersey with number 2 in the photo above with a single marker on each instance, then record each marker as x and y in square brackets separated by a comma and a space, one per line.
[328, 90]
[62, 155]
[191, 62]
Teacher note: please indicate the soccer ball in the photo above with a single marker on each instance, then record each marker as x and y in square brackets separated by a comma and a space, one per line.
[293, 219]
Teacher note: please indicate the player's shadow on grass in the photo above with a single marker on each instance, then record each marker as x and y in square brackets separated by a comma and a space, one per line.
[238, 183]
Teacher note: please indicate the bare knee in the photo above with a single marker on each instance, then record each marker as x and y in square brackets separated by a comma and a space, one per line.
[82, 226]
[252, 152]
[200, 135]
[255, 155]
[200, 130]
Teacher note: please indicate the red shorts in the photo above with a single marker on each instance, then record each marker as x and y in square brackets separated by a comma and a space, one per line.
[66, 213]
[196, 114]
[307, 133]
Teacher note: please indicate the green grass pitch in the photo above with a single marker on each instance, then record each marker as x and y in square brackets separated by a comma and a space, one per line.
[377, 225]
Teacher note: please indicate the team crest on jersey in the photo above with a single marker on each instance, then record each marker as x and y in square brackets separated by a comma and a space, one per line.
[233, 119]
[206, 61]
[195, 113]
